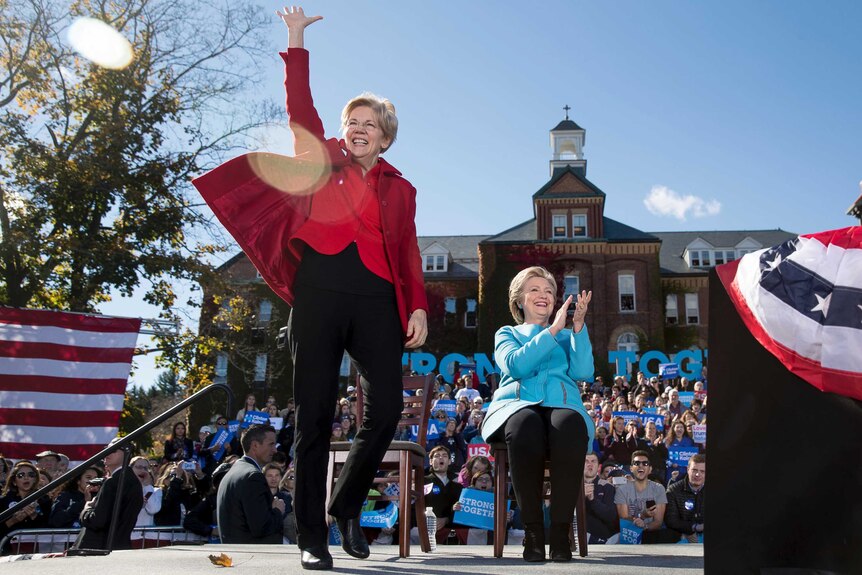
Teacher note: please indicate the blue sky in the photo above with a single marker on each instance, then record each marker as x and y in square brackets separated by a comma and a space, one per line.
[753, 106]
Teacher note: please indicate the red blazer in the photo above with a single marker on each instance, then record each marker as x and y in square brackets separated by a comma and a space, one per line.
[247, 198]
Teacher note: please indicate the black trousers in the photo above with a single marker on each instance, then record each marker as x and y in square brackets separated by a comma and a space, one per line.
[537, 432]
[323, 324]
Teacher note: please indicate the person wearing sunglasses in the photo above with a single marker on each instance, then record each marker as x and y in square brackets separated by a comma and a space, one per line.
[643, 501]
[21, 481]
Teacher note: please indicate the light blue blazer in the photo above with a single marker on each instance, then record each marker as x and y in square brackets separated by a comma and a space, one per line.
[539, 369]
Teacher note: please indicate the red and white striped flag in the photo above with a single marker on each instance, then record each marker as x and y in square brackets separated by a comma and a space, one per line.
[802, 300]
[62, 381]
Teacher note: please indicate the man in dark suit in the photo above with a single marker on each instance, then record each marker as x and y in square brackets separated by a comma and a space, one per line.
[247, 511]
[97, 514]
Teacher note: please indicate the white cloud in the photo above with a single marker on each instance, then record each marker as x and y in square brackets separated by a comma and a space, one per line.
[662, 201]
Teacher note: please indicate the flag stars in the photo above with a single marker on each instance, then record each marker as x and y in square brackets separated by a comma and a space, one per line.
[822, 304]
[774, 263]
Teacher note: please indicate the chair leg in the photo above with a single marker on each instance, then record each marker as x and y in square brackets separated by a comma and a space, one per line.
[582, 523]
[330, 478]
[421, 519]
[501, 462]
[404, 505]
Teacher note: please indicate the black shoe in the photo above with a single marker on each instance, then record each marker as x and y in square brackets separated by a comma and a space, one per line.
[353, 540]
[534, 543]
[316, 558]
[560, 547]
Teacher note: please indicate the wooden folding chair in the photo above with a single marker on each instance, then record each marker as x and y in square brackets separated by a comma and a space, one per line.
[404, 457]
[501, 462]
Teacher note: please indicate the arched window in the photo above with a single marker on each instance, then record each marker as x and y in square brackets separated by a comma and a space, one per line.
[628, 342]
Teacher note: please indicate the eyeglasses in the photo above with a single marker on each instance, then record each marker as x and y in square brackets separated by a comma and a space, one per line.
[640, 463]
[221, 422]
[23, 474]
[291, 477]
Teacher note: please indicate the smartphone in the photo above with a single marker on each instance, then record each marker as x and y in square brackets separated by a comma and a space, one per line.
[189, 465]
[618, 480]
[650, 503]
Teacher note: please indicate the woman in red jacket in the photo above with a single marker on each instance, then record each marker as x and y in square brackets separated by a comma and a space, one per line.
[344, 255]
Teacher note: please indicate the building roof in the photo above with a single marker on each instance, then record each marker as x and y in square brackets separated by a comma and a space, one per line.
[559, 173]
[464, 251]
[566, 125]
[673, 245]
[614, 232]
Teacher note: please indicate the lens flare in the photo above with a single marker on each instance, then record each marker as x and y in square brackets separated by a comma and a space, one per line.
[300, 175]
[101, 44]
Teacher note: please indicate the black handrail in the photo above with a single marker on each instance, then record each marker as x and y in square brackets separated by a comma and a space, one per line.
[122, 443]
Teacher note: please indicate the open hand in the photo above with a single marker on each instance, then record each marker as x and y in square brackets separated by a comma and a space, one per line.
[417, 329]
[581, 307]
[295, 19]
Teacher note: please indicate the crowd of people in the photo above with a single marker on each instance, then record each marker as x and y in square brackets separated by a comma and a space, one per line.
[179, 486]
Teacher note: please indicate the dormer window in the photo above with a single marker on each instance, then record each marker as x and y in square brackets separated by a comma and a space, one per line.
[579, 225]
[435, 263]
[558, 225]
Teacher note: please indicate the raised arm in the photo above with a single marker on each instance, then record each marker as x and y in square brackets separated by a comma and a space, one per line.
[296, 21]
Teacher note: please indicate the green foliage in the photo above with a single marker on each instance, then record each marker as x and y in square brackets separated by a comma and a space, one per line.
[135, 415]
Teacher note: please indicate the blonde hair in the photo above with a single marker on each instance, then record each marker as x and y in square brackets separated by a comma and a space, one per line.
[516, 288]
[383, 110]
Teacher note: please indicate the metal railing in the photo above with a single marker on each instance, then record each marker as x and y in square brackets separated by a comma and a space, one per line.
[58, 540]
[123, 443]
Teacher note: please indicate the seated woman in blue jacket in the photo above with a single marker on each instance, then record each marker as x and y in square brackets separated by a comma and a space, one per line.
[538, 409]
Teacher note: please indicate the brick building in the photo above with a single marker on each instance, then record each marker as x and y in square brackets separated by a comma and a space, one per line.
[649, 288]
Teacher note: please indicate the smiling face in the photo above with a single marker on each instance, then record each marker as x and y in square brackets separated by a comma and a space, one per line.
[364, 137]
[640, 468]
[85, 477]
[537, 300]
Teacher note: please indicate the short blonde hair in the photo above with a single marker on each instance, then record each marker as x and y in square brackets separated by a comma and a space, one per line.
[516, 288]
[383, 110]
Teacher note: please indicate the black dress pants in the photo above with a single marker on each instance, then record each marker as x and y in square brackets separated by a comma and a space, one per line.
[323, 324]
[532, 434]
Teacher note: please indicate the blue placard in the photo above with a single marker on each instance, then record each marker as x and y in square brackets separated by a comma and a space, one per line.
[447, 405]
[668, 370]
[650, 410]
[254, 418]
[433, 431]
[233, 426]
[334, 535]
[627, 415]
[477, 509]
[658, 419]
[681, 455]
[686, 397]
[221, 439]
[630, 534]
[384, 518]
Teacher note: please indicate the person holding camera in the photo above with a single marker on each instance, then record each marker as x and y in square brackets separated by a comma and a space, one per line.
[67, 508]
[97, 514]
[178, 491]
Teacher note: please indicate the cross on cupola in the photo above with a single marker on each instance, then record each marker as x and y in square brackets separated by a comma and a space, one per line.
[567, 141]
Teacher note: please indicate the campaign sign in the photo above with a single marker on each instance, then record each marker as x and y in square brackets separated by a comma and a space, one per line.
[627, 415]
[650, 410]
[220, 439]
[630, 534]
[658, 419]
[254, 418]
[479, 449]
[276, 422]
[681, 455]
[477, 509]
[668, 370]
[334, 535]
[686, 397]
[383, 518]
[433, 431]
[698, 433]
[233, 426]
[447, 405]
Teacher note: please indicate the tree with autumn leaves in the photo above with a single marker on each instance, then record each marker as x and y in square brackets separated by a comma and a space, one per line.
[95, 164]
